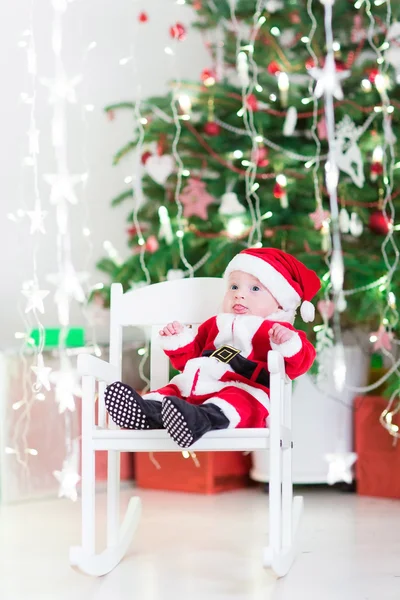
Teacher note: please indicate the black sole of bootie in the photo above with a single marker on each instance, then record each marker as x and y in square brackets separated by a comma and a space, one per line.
[176, 424]
[122, 405]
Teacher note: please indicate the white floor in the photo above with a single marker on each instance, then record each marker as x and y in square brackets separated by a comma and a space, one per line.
[208, 548]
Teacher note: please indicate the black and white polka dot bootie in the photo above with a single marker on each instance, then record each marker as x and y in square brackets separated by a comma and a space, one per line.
[186, 423]
[128, 409]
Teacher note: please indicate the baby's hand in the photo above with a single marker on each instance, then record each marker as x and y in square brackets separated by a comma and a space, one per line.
[172, 328]
[279, 334]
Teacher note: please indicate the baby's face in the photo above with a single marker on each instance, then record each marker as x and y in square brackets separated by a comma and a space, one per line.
[246, 295]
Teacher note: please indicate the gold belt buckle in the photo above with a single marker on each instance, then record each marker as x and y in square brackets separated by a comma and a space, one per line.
[225, 354]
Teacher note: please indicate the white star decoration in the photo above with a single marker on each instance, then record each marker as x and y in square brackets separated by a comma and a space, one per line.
[37, 217]
[340, 467]
[68, 286]
[66, 387]
[328, 79]
[42, 374]
[62, 187]
[35, 298]
[62, 88]
[69, 477]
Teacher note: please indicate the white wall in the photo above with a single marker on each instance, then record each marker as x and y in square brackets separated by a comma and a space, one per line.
[92, 140]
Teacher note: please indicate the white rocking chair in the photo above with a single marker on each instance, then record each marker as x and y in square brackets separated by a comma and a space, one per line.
[190, 301]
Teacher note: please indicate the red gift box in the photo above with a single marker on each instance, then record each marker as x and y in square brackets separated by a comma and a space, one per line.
[378, 454]
[204, 473]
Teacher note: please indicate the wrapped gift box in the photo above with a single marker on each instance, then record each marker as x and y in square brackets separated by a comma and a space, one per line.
[202, 473]
[378, 452]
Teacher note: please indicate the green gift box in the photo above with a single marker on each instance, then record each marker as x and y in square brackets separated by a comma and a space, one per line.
[74, 337]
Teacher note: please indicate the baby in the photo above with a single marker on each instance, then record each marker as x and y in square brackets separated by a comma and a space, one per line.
[224, 381]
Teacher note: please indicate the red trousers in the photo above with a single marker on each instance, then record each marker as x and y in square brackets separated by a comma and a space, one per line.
[240, 407]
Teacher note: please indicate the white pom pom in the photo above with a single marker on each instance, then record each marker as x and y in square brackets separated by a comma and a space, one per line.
[307, 312]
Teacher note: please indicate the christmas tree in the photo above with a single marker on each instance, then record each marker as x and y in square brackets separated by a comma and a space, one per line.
[237, 156]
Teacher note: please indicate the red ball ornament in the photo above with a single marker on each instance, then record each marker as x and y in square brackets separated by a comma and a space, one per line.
[152, 244]
[143, 18]
[340, 65]
[294, 17]
[261, 157]
[178, 32]
[372, 73]
[273, 68]
[278, 191]
[145, 157]
[380, 223]
[310, 63]
[212, 128]
[197, 5]
[376, 168]
[252, 102]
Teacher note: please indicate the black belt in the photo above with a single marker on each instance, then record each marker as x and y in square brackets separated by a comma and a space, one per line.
[240, 364]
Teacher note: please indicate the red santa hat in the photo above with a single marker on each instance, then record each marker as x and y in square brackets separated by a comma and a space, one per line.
[288, 280]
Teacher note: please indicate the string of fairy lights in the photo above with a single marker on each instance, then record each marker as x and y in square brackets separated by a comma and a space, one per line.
[325, 82]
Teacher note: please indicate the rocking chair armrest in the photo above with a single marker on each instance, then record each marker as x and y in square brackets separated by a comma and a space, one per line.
[276, 363]
[97, 368]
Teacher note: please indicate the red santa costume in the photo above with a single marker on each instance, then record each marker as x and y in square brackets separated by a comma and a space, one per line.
[224, 380]
[225, 364]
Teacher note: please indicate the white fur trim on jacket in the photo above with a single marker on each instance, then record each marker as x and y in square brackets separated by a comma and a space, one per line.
[229, 411]
[237, 331]
[210, 372]
[276, 283]
[179, 340]
[289, 348]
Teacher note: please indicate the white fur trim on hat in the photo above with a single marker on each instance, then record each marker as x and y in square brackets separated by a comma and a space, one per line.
[307, 311]
[276, 283]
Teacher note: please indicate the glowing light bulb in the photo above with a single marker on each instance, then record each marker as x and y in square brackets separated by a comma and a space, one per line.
[366, 85]
[283, 85]
[236, 226]
[281, 179]
[185, 103]
[377, 155]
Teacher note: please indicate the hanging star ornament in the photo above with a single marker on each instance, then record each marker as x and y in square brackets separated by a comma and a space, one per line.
[62, 88]
[68, 287]
[340, 465]
[37, 217]
[62, 187]
[328, 79]
[69, 477]
[66, 388]
[42, 374]
[35, 298]
[196, 199]
[382, 339]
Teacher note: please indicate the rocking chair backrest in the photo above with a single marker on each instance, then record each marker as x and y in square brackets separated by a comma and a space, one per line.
[190, 301]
